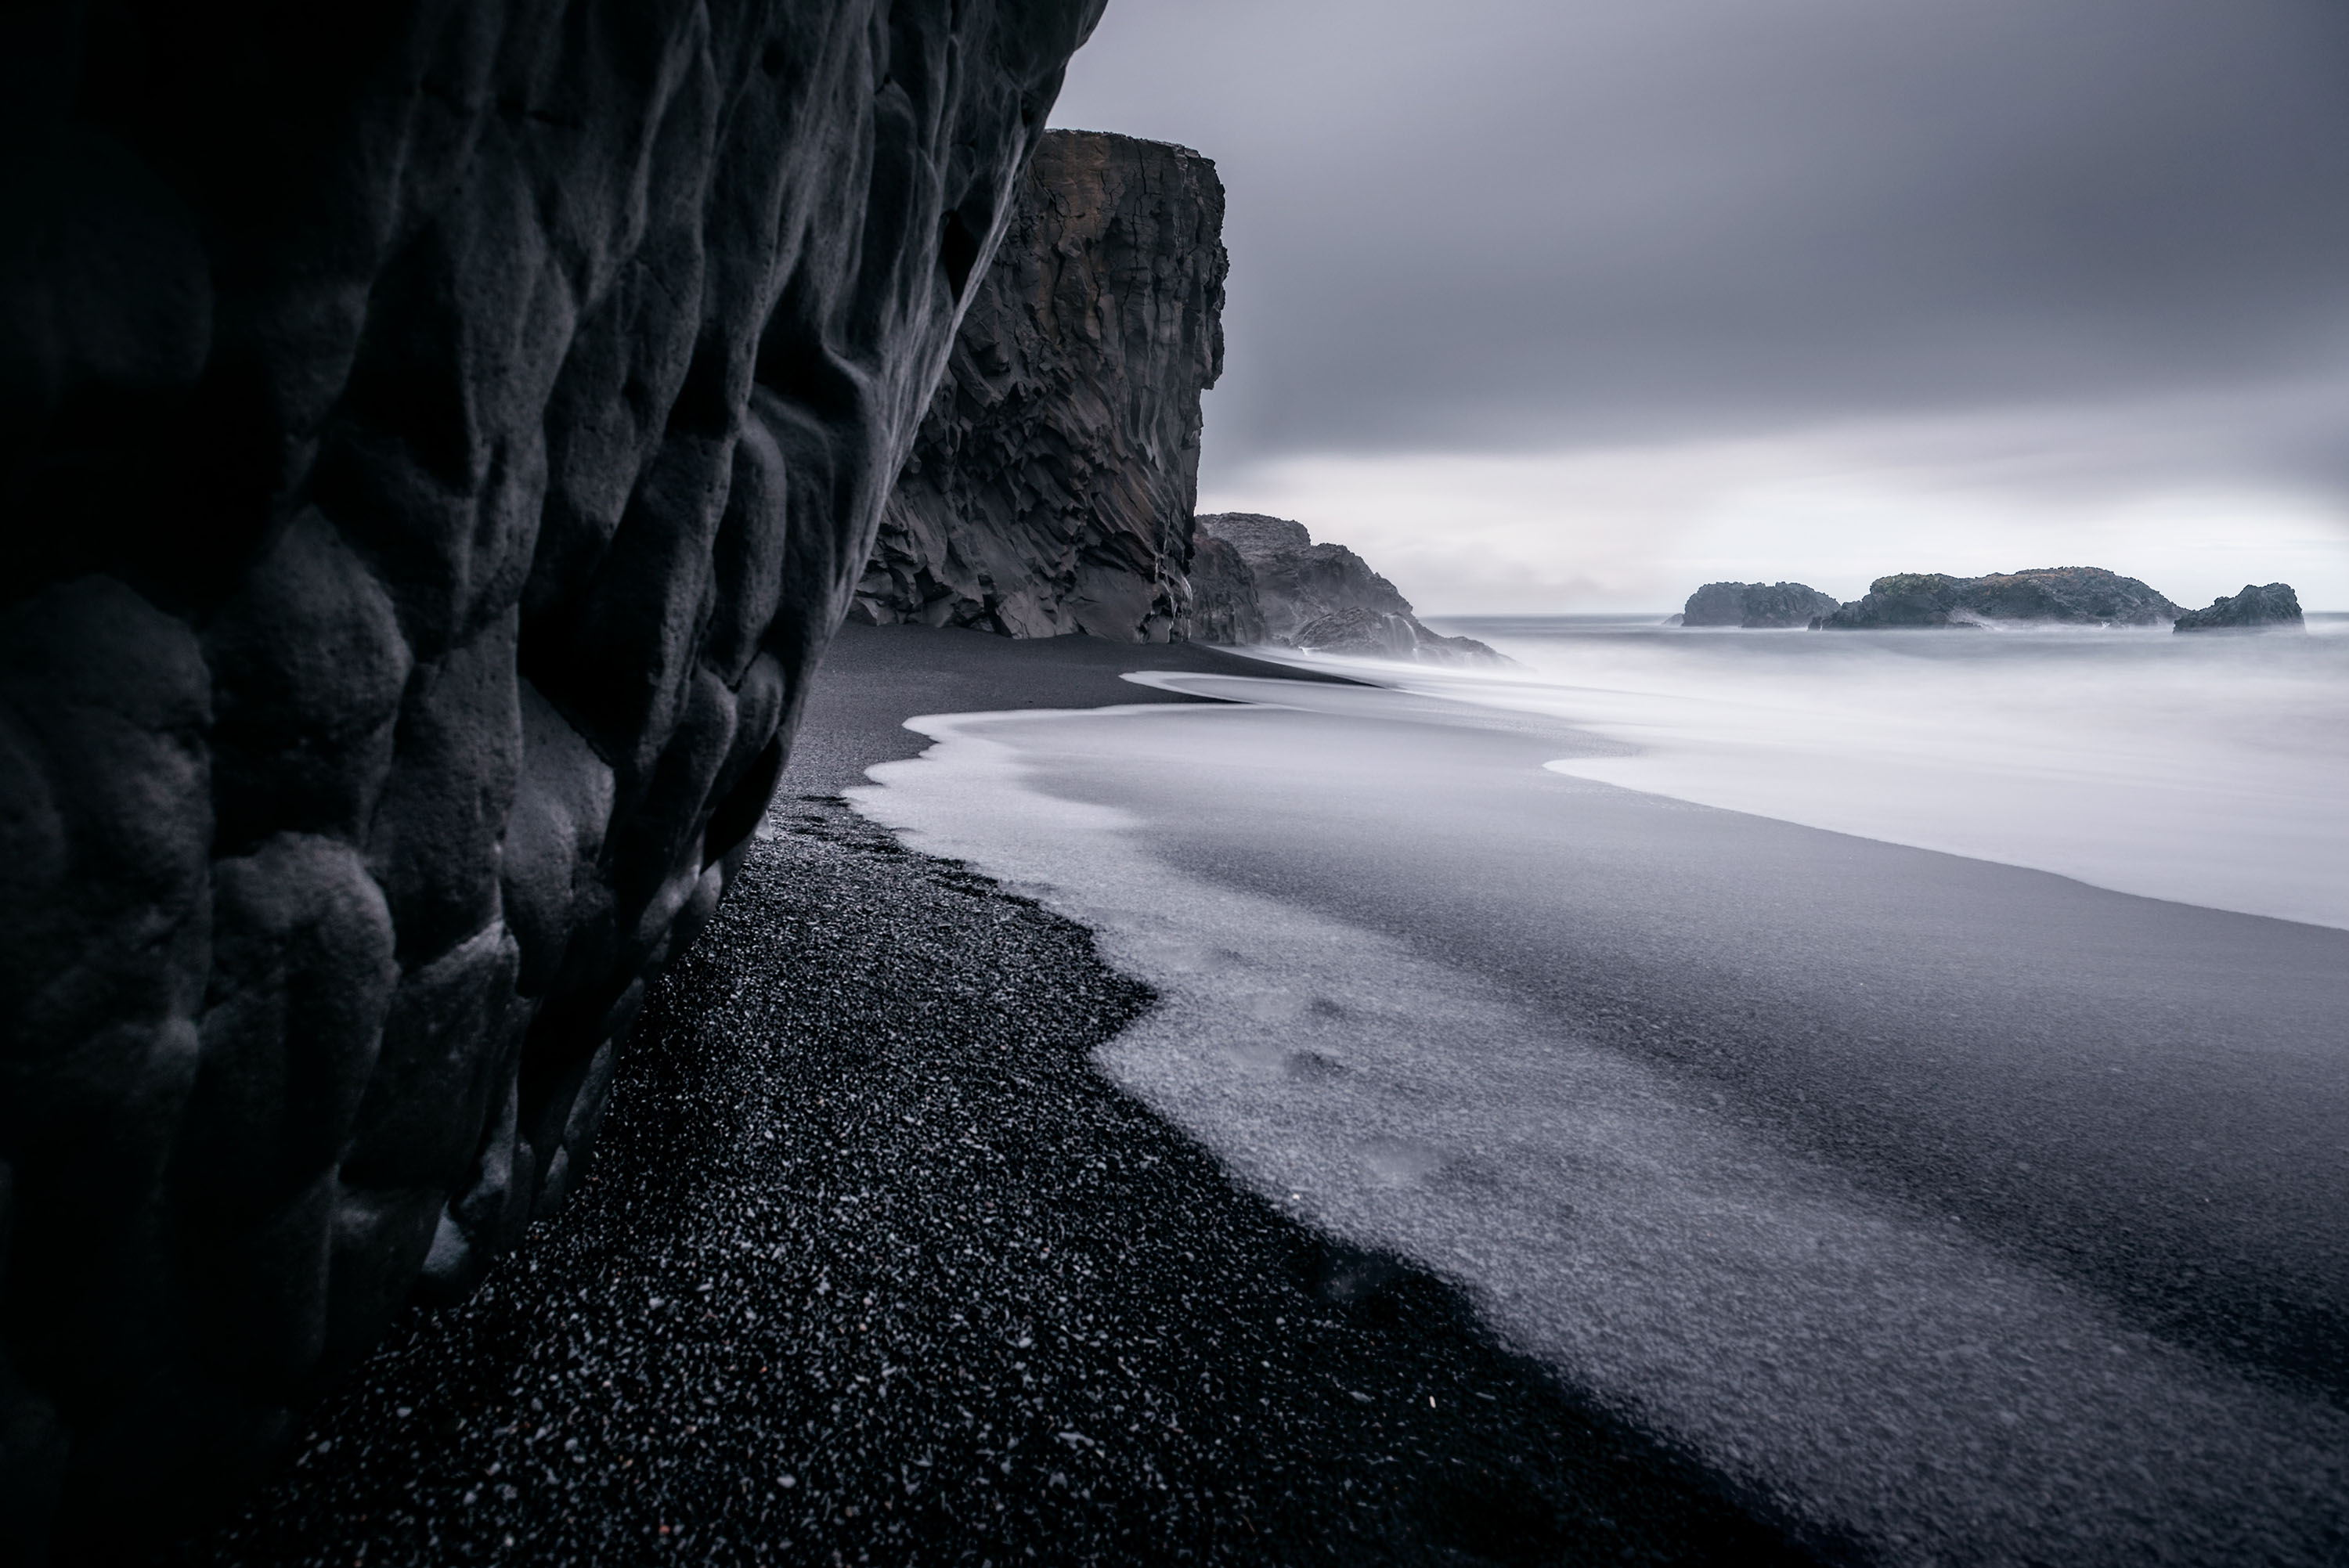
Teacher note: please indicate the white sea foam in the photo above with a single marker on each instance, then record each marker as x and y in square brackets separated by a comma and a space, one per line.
[1876, 1373]
[2207, 770]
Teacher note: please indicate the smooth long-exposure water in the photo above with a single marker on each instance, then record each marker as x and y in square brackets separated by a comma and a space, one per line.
[2213, 769]
[1964, 1211]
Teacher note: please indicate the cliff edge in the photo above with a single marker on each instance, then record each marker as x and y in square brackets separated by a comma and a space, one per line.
[439, 443]
[1322, 598]
[1051, 485]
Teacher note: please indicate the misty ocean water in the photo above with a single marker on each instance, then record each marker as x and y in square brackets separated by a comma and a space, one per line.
[1952, 1211]
[2211, 770]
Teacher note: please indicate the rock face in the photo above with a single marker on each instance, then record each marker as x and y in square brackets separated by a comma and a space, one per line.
[1224, 606]
[1755, 604]
[1322, 598]
[1382, 634]
[2074, 595]
[1297, 580]
[438, 441]
[2275, 604]
[1051, 486]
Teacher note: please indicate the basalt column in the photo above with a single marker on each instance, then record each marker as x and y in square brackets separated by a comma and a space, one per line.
[1052, 485]
[436, 441]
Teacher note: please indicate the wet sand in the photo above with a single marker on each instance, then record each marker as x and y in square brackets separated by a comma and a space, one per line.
[1969, 1210]
[874, 679]
[874, 1267]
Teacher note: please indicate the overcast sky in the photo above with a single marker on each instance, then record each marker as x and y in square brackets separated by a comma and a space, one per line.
[1573, 305]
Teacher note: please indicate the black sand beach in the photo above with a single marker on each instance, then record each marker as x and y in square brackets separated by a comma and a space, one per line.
[874, 1266]
[876, 677]
[1974, 1210]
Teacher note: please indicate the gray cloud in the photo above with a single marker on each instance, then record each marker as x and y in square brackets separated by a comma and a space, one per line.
[1501, 225]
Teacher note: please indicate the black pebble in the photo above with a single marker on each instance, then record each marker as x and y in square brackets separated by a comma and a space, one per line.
[873, 1267]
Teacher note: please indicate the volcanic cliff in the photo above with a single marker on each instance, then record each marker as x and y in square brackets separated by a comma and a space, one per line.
[438, 443]
[1051, 488]
[1322, 598]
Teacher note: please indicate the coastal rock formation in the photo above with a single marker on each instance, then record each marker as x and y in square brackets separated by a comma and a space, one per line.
[1224, 606]
[1381, 634]
[2071, 596]
[2275, 604]
[1320, 597]
[1051, 486]
[1756, 604]
[438, 441]
[1297, 580]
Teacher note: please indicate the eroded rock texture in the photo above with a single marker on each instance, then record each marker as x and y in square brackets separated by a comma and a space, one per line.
[2257, 607]
[1224, 607]
[1756, 605]
[1297, 580]
[1051, 487]
[438, 439]
[2074, 595]
[1378, 634]
[1323, 598]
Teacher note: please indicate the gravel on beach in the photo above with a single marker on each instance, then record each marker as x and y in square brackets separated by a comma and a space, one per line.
[874, 1267]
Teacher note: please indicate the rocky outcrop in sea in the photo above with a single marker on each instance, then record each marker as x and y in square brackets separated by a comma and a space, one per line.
[2070, 595]
[1325, 598]
[2255, 608]
[440, 442]
[1756, 605]
[1051, 486]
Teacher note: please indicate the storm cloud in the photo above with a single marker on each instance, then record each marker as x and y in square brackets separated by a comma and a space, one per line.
[1611, 225]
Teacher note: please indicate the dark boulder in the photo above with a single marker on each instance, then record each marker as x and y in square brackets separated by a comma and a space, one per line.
[2066, 595]
[1755, 605]
[1365, 634]
[2254, 608]
[1358, 632]
[1051, 487]
[438, 442]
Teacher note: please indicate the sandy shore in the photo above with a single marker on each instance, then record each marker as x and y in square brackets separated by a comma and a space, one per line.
[875, 1268]
[1975, 1213]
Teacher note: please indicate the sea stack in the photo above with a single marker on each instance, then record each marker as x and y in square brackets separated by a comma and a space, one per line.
[443, 441]
[1051, 486]
[2256, 608]
[1756, 605]
[2061, 596]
